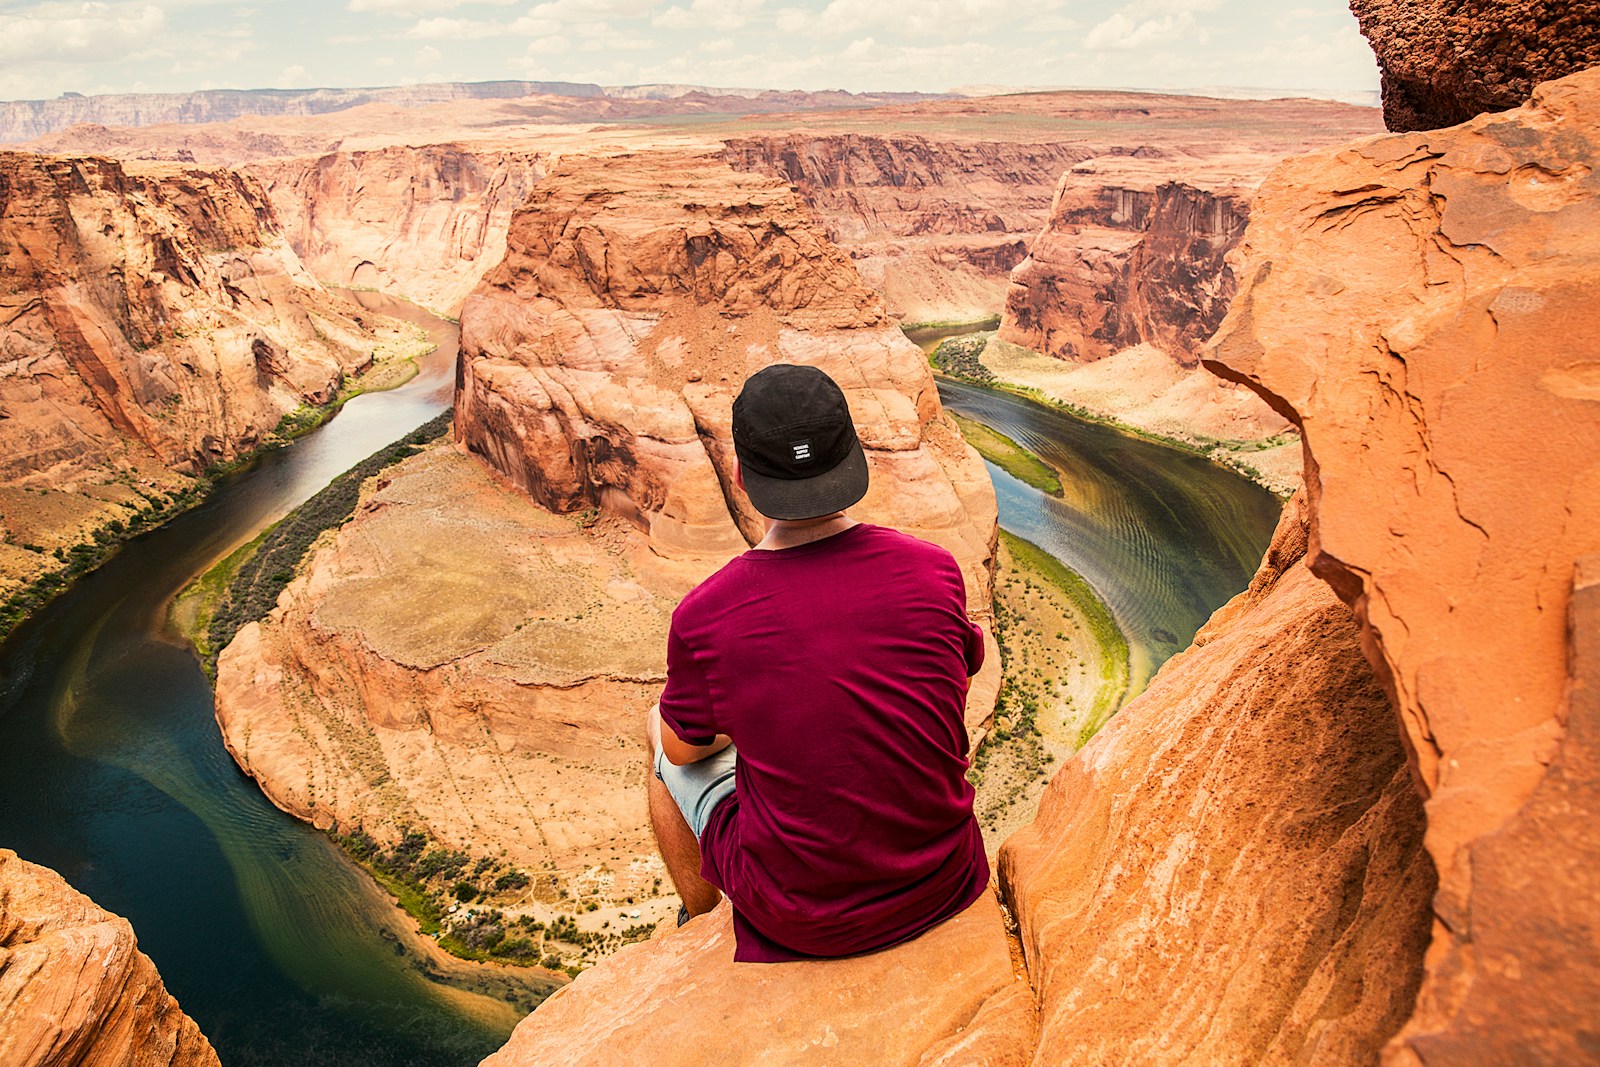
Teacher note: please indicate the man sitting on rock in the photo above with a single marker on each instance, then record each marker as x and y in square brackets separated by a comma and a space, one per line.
[809, 747]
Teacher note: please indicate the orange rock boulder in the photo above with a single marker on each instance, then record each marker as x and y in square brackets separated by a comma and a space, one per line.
[1426, 308]
[74, 987]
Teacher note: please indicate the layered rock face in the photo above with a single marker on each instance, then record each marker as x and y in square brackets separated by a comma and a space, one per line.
[1424, 308]
[473, 654]
[1442, 63]
[601, 358]
[1232, 871]
[74, 987]
[935, 225]
[1132, 254]
[422, 222]
[152, 319]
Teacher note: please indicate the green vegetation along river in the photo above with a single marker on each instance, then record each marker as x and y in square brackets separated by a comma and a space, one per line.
[1165, 537]
[112, 772]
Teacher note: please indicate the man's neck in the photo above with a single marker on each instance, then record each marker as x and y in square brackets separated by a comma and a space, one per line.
[791, 533]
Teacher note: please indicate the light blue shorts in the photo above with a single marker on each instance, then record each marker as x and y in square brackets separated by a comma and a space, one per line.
[699, 787]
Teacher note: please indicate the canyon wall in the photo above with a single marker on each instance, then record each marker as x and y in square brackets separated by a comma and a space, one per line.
[74, 987]
[473, 654]
[934, 224]
[420, 222]
[1423, 306]
[1133, 253]
[1444, 62]
[153, 322]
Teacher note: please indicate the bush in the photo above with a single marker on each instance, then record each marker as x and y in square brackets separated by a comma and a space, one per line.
[509, 881]
[465, 891]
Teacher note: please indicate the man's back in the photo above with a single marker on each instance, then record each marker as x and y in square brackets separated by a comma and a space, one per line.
[839, 668]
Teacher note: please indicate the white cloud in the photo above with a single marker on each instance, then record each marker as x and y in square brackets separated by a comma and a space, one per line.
[708, 15]
[945, 18]
[1122, 32]
[293, 77]
[413, 8]
[444, 29]
[428, 54]
[546, 46]
[80, 33]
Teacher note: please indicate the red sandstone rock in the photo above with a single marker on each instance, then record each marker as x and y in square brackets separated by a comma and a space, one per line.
[1133, 254]
[1426, 308]
[952, 998]
[424, 222]
[74, 987]
[151, 312]
[1444, 61]
[1232, 871]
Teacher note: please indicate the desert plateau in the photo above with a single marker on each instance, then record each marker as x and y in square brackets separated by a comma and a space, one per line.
[357, 446]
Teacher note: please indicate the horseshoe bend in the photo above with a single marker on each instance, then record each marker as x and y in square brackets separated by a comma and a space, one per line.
[1315, 784]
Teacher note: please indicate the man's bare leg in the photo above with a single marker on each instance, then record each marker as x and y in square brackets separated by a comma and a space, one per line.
[679, 848]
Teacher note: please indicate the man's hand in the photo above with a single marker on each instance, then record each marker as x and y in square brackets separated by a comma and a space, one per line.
[678, 751]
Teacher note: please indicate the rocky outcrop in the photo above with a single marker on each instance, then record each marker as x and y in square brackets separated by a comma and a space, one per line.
[420, 222]
[1232, 871]
[1133, 253]
[601, 358]
[1444, 62]
[952, 998]
[153, 322]
[473, 654]
[74, 987]
[1424, 307]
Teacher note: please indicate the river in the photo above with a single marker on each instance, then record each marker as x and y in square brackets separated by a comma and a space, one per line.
[113, 773]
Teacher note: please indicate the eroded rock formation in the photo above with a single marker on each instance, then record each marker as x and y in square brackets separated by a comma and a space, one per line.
[1444, 62]
[474, 653]
[1424, 307]
[1133, 253]
[152, 319]
[422, 222]
[74, 987]
[1232, 871]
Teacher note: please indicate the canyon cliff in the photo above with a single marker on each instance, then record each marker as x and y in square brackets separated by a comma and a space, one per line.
[424, 222]
[74, 987]
[1424, 308]
[474, 653]
[153, 323]
[1442, 63]
[1258, 860]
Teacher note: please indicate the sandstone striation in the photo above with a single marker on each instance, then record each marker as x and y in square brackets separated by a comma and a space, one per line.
[953, 998]
[1442, 63]
[1232, 871]
[74, 987]
[422, 222]
[152, 320]
[1423, 306]
[1133, 253]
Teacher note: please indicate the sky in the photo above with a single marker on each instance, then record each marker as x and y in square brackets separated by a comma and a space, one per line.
[54, 46]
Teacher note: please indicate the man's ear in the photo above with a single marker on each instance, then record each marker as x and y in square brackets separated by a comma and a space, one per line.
[738, 475]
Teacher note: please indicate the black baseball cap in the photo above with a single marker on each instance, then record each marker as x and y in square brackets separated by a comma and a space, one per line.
[796, 445]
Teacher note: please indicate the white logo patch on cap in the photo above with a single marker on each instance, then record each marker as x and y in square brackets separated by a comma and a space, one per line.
[802, 450]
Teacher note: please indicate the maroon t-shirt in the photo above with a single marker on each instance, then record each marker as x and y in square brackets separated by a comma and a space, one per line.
[840, 669]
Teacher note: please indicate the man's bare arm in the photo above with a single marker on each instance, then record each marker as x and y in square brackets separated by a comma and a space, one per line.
[678, 751]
